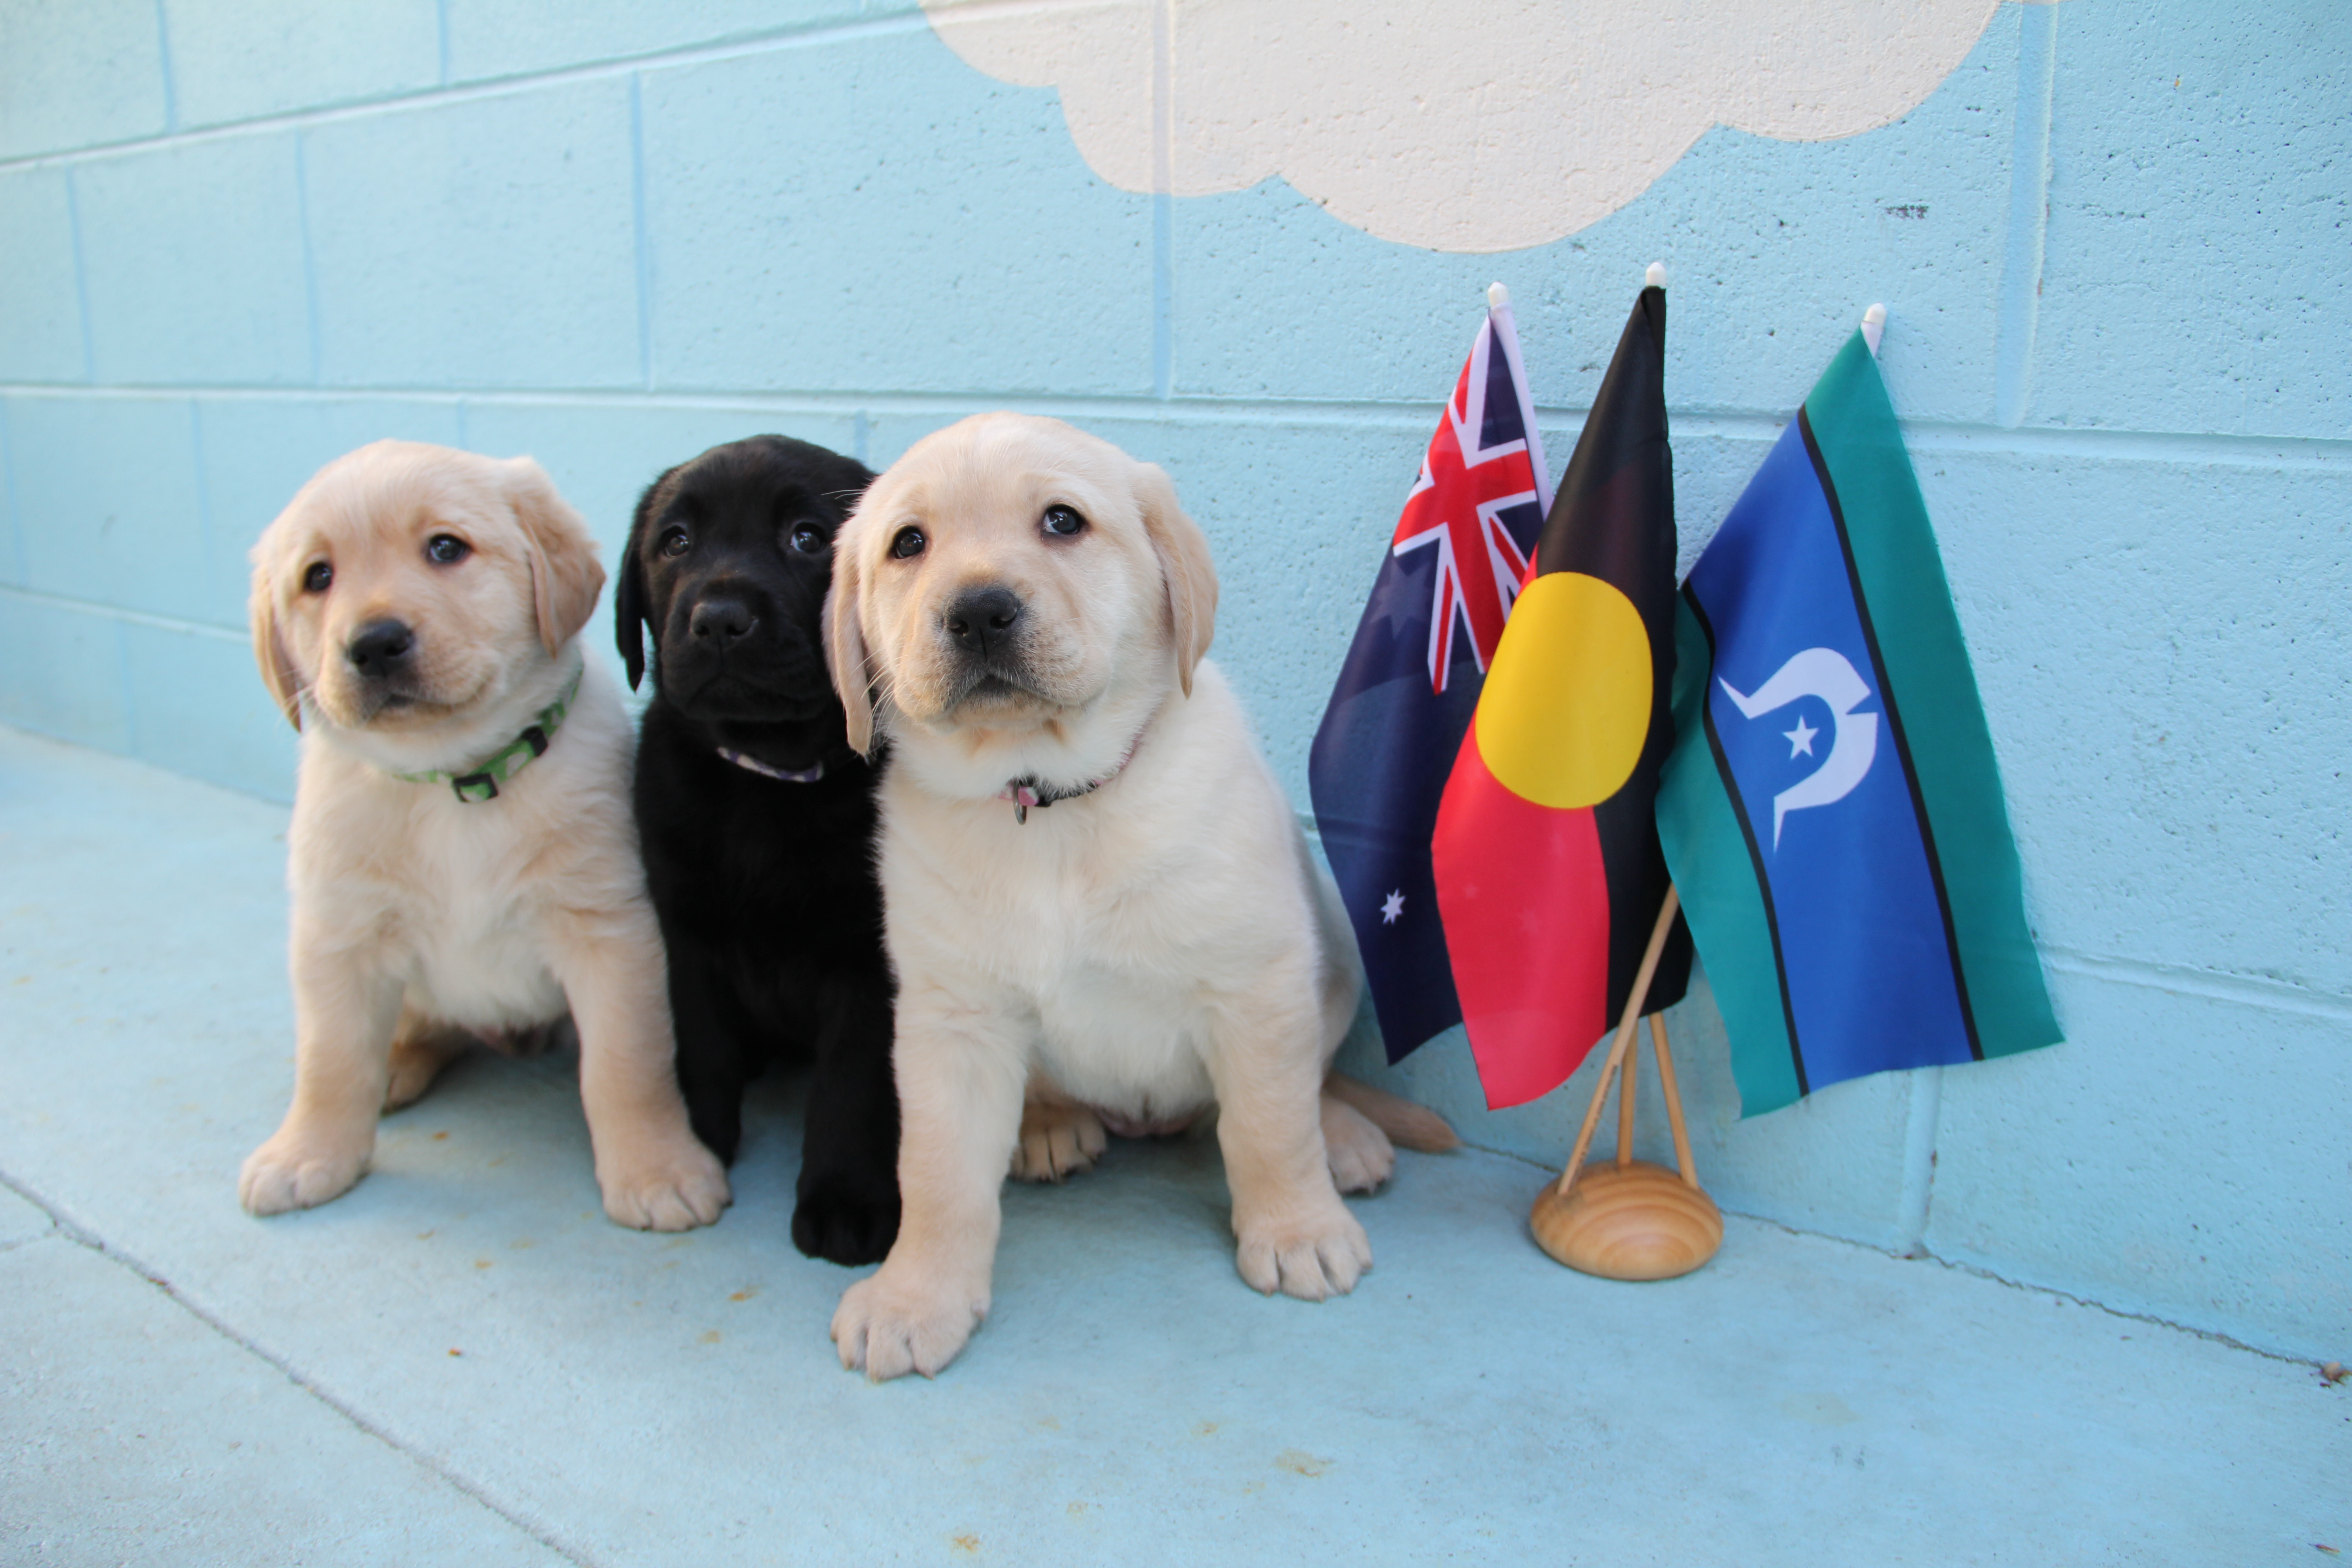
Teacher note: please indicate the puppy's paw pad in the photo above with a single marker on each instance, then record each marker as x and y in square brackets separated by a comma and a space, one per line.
[677, 1188]
[848, 1219]
[1057, 1140]
[295, 1173]
[887, 1329]
[1312, 1260]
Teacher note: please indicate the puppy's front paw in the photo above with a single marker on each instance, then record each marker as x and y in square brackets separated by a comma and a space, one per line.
[1057, 1140]
[675, 1185]
[299, 1169]
[1321, 1255]
[847, 1217]
[890, 1325]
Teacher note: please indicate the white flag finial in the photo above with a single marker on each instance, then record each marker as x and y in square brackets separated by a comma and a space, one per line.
[1873, 327]
[1498, 297]
[1655, 277]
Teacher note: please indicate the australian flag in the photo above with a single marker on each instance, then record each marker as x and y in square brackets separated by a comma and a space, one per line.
[1412, 678]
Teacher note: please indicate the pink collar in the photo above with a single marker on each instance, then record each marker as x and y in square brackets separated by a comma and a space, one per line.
[1029, 790]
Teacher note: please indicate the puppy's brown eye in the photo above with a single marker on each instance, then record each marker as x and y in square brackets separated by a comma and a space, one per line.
[1061, 522]
[675, 541]
[316, 579]
[909, 542]
[446, 550]
[809, 539]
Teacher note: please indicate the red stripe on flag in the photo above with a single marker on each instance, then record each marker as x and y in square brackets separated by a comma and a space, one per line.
[1513, 878]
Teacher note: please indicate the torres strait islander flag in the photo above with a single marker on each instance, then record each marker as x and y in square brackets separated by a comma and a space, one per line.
[1412, 674]
[1548, 867]
[1832, 810]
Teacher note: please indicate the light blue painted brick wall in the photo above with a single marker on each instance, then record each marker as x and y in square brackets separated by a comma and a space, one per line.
[40, 331]
[234, 62]
[237, 241]
[191, 254]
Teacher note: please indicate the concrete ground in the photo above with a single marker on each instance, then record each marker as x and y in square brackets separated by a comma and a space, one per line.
[463, 1361]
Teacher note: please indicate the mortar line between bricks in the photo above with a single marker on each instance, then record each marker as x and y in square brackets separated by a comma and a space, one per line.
[119, 613]
[740, 46]
[2270, 453]
[69, 1230]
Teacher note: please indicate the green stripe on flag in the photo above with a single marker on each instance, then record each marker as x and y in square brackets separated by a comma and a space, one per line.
[1926, 667]
[1714, 869]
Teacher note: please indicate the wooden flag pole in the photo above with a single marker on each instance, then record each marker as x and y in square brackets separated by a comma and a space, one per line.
[1634, 1220]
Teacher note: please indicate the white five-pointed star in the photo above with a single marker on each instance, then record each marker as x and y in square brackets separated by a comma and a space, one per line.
[1800, 739]
[1393, 906]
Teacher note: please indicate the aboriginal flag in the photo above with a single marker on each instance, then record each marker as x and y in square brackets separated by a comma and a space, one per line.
[1548, 873]
[1832, 808]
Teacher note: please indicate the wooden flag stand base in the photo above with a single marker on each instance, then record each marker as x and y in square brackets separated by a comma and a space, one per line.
[1632, 1220]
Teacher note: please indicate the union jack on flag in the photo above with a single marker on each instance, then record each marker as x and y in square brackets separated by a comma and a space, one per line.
[1404, 697]
[1484, 460]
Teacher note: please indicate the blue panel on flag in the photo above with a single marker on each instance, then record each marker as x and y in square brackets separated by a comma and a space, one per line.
[1795, 711]
[1405, 693]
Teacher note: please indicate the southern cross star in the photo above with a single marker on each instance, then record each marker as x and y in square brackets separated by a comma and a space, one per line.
[1393, 906]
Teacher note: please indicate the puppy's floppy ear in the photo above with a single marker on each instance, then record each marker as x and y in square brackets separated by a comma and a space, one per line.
[270, 651]
[1184, 566]
[632, 608]
[844, 641]
[565, 575]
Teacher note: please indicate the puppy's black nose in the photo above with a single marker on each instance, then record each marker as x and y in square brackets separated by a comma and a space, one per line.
[723, 622]
[380, 646]
[980, 619]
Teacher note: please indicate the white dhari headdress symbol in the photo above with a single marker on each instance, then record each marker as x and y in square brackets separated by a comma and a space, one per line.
[1826, 673]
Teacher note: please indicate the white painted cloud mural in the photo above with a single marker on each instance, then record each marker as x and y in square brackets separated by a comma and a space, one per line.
[1458, 125]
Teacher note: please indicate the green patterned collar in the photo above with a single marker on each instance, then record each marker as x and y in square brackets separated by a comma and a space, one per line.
[481, 782]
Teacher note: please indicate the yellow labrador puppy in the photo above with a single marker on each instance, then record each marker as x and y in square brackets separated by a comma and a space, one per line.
[1096, 892]
[462, 860]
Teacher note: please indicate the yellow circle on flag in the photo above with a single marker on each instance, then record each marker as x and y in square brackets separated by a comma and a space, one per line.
[1566, 706]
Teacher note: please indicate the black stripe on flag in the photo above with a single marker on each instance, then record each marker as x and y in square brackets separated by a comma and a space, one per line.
[1895, 726]
[1747, 831]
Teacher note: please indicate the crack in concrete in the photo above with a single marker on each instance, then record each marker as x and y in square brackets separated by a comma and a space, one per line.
[65, 1228]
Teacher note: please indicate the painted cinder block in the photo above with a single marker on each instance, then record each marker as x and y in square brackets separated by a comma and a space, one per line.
[40, 326]
[2160, 646]
[12, 545]
[603, 456]
[192, 259]
[258, 451]
[108, 506]
[197, 705]
[2177, 1156]
[239, 60]
[486, 242]
[875, 214]
[2199, 221]
[79, 73]
[489, 38]
[61, 671]
[1772, 250]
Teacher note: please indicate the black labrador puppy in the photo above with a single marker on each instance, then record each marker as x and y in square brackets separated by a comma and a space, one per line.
[758, 820]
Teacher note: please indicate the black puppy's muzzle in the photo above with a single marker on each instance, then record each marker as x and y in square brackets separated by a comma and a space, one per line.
[732, 651]
[717, 624]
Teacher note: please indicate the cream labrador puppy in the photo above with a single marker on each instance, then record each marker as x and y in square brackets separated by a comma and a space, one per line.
[1098, 901]
[462, 860]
